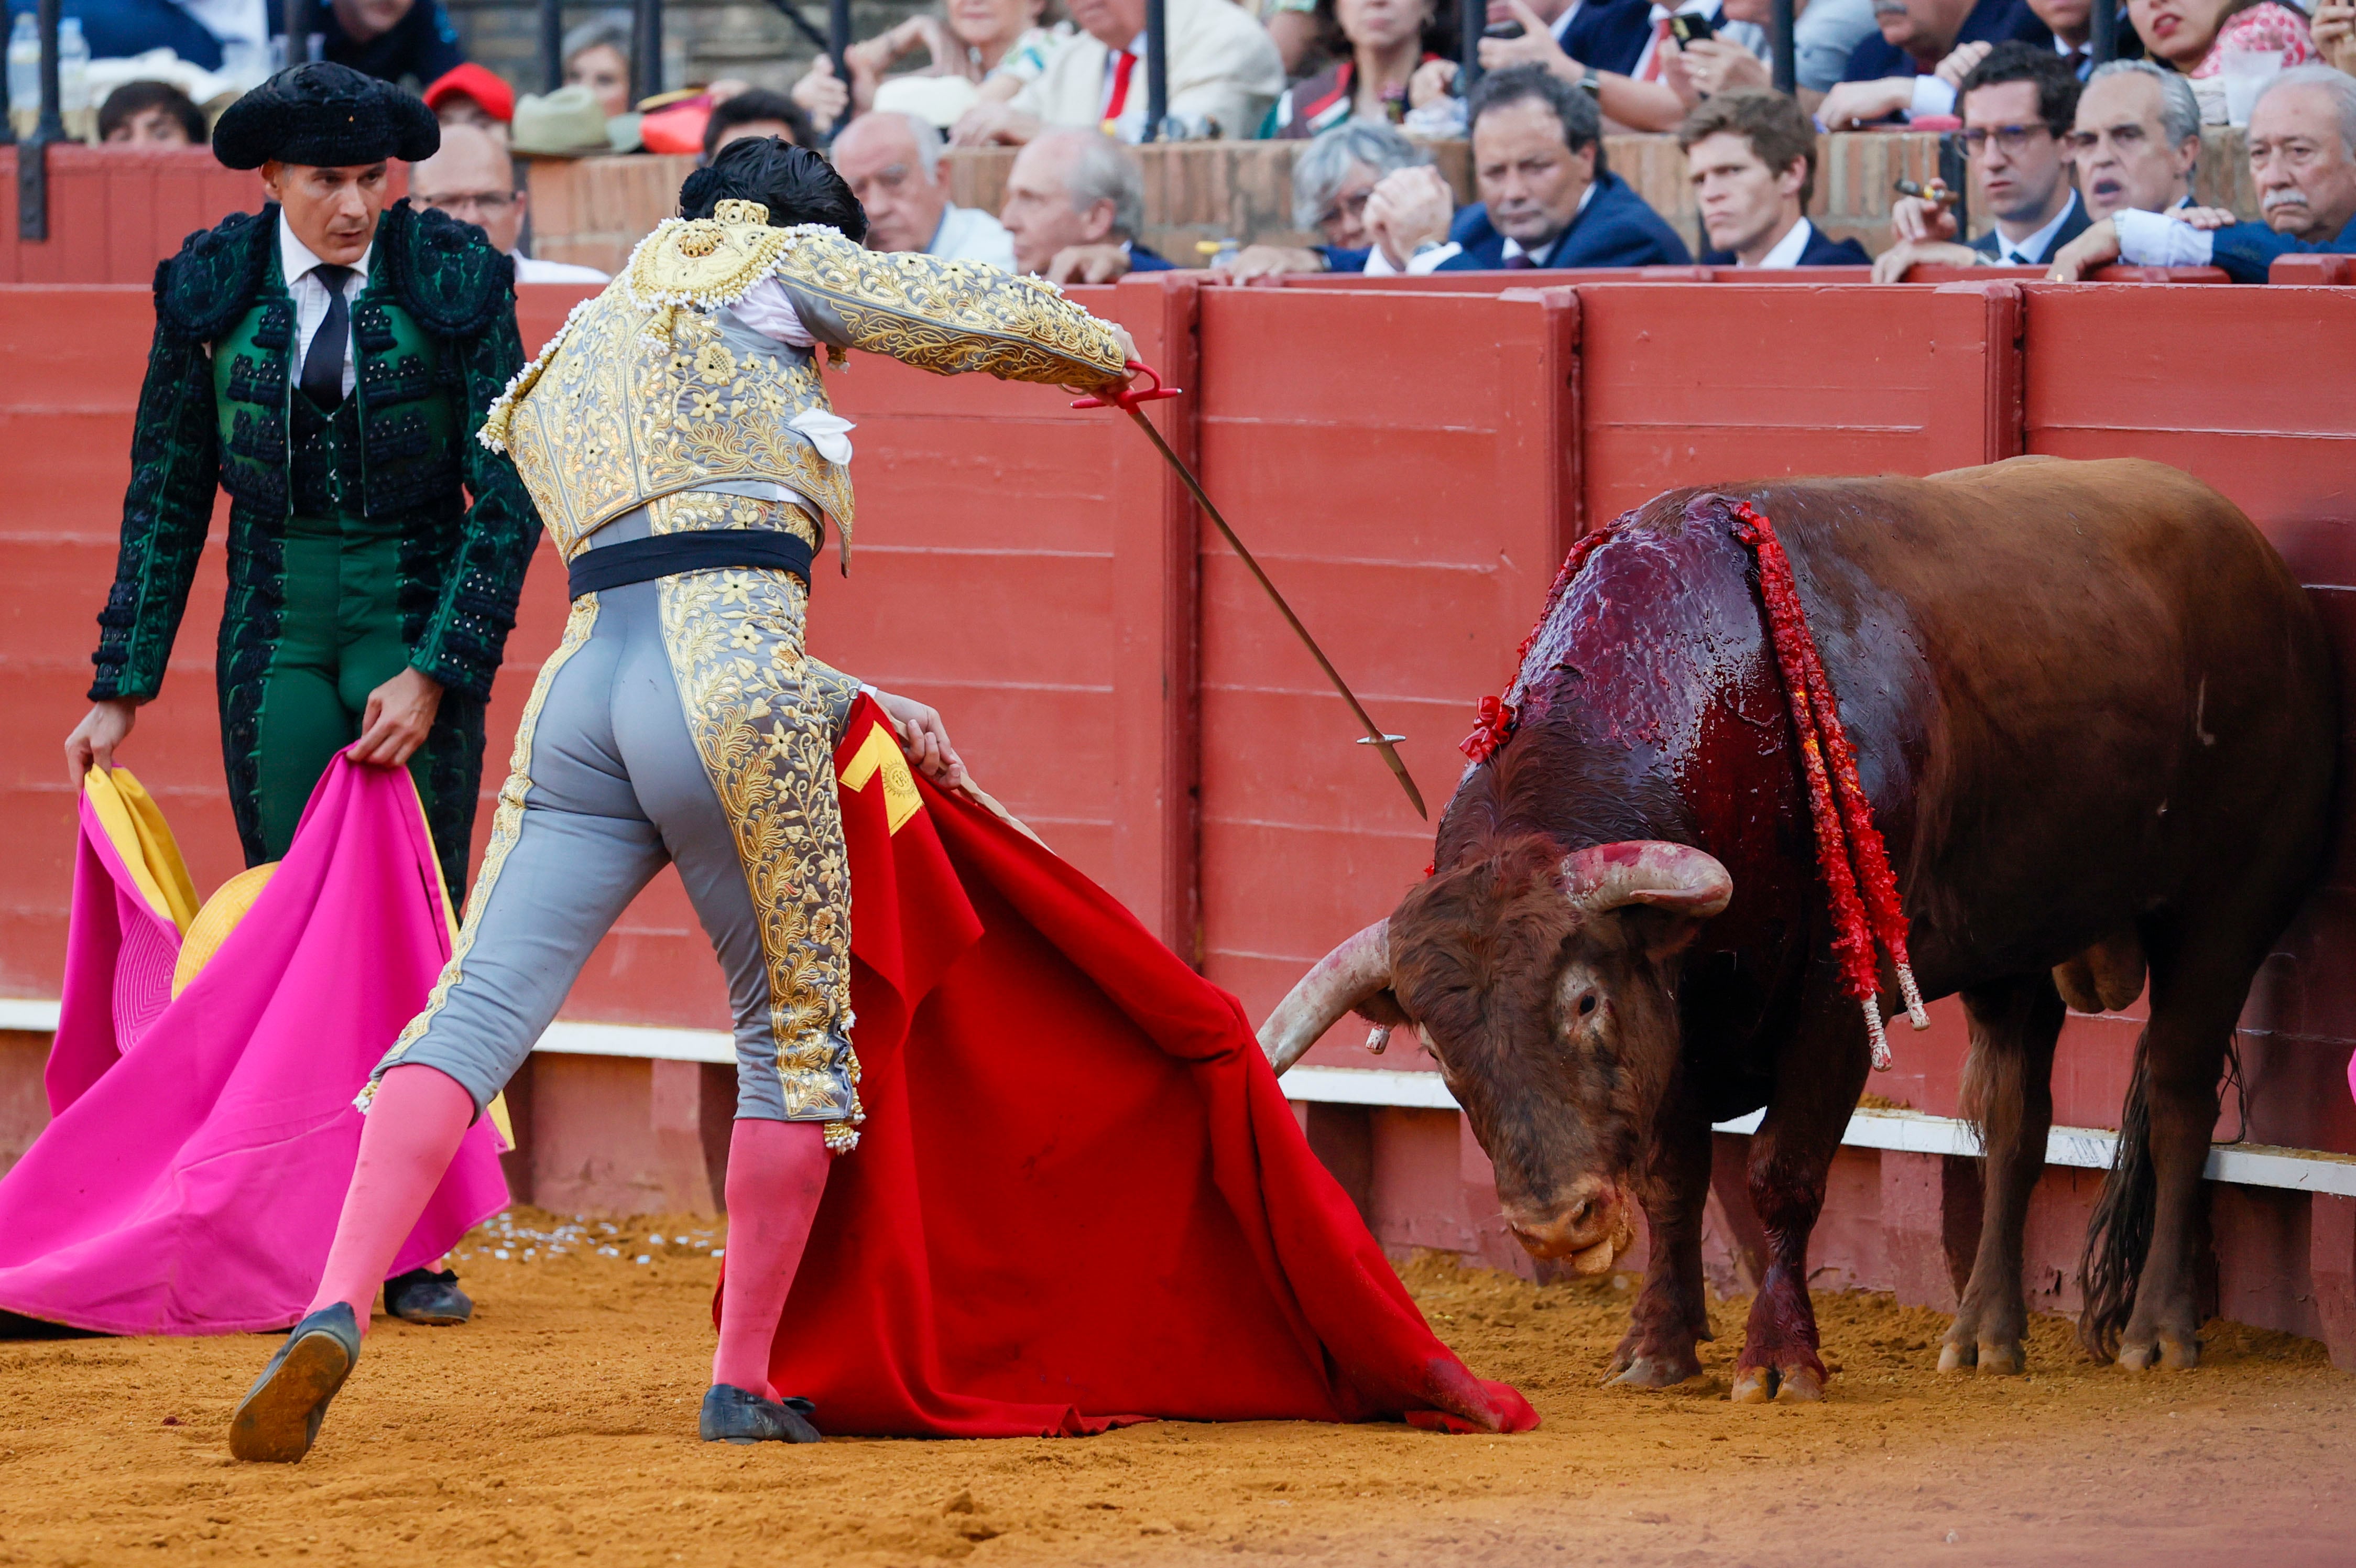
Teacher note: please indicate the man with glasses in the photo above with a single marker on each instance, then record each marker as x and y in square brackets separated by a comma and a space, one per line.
[2018, 105]
[472, 179]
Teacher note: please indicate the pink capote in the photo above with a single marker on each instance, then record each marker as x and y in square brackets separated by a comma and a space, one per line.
[191, 1179]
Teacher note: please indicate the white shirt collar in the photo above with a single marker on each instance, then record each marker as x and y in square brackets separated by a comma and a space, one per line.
[295, 258]
[2038, 244]
[1786, 251]
[1684, 8]
[1514, 247]
[1562, 22]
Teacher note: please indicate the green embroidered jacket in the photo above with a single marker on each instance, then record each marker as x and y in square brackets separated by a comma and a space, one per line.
[436, 341]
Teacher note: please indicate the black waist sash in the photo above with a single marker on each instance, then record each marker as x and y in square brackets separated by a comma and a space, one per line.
[703, 550]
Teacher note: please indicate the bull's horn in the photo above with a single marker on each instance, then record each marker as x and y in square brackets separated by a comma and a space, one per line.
[1672, 876]
[1342, 980]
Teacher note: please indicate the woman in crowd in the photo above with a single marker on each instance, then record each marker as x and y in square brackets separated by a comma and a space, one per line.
[1376, 45]
[1332, 177]
[997, 45]
[2194, 37]
[150, 114]
[597, 56]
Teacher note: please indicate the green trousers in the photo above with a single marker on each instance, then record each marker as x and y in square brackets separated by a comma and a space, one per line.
[340, 639]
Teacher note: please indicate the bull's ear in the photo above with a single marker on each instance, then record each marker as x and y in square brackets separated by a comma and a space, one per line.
[1383, 1009]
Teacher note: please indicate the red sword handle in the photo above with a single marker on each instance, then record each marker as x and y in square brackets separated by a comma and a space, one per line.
[1130, 396]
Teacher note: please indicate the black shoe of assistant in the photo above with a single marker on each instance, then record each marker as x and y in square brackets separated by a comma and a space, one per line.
[731, 1415]
[279, 1418]
[421, 1295]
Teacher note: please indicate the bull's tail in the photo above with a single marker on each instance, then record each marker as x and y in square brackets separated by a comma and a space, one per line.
[2120, 1236]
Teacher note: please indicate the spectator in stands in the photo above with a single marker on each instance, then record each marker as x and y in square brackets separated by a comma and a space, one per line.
[999, 46]
[757, 111]
[472, 179]
[2192, 36]
[1905, 68]
[1223, 75]
[1075, 205]
[1380, 44]
[597, 56]
[1546, 199]
[893, 163]
[1332, 179]
[1827, 34]
[393, 40]
[2334, 34]
[2302, 139]
[2137, 140]
[2019, 103]
[470, 95]
[150, 114]
[1626, 54]
[1751, 155]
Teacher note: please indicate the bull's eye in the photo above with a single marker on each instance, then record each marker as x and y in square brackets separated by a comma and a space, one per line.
[1587, 1005]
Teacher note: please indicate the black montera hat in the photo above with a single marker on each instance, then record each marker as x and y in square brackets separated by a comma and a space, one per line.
[324, 115]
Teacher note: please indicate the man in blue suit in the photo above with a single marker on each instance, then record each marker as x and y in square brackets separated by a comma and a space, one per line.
[1752, 156]
[2302, 138]
[1546, 199]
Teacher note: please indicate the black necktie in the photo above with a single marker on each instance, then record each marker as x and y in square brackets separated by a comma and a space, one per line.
[323, 366]
[1519, 259]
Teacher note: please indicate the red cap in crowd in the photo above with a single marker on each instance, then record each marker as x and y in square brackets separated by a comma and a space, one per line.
[472, 81]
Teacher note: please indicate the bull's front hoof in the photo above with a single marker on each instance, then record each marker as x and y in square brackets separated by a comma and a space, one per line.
[2006, 1360]
[1800, 1385]
[2179, 1352]
[2138, 1358]
[1754, 1385]
[1958, 1358]
[1655, 1372]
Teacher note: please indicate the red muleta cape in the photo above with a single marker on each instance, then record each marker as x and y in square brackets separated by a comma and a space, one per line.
[1080, 1198]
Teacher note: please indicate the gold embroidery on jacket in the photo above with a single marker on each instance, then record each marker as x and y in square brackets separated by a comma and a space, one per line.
[763, 727]
[507, 822]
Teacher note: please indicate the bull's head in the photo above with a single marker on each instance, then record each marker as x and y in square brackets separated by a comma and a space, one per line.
[1544, 985]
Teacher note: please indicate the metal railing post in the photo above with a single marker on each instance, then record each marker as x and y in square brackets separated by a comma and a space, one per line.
[33, 153]
[2102, 41]
[1472, 16]
[551, 45]
[838, 44]
[646, 49]
[1157, 72]
[295, 17]
[1781, 18]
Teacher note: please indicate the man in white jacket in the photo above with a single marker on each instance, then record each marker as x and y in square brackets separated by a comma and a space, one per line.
[1224, 74]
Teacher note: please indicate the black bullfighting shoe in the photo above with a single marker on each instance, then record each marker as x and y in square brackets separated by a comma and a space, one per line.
[278, 1420]
[731, 1415]
[421, 1296]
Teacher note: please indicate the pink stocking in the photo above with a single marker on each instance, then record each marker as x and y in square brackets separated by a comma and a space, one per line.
[776, 1172]
[407, 1142]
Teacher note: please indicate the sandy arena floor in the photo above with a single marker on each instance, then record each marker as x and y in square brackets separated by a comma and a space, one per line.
[561, 1427]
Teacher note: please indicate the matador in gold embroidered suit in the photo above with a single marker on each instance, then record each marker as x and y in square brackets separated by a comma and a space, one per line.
[676, 438]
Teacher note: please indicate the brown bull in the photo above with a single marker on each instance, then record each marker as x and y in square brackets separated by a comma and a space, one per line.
[2096, 718]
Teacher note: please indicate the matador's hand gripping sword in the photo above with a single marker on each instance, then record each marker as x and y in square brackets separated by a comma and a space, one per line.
[1126, 400]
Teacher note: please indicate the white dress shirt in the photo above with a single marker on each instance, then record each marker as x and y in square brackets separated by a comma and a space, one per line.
[969, 234]
[2035, 250]
[1431, 258]
[1222, 67]
[2156, 239]
[310, 292]
[532, 269]
[1786, 251]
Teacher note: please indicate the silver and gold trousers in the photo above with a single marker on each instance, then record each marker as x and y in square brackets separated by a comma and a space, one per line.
[679, 721]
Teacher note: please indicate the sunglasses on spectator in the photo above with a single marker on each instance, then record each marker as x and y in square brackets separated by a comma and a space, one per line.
[2126, 138]
[2013, 139]
[473, 201]
[1351, 206]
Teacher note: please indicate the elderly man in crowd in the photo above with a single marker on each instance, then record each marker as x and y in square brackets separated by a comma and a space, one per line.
[1333, 176]
[472, 179]
[2302, 137]
[1223, 73]
[1546, 199]
[1075, 205]
[892, 161]
[2019, 103]
[1905, 68]
[2138, 141]
[1752, 156]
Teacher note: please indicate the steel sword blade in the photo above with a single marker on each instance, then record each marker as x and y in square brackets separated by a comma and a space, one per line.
[1376, 737]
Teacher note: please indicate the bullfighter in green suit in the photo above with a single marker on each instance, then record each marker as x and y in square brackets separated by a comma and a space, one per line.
[328, 363]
